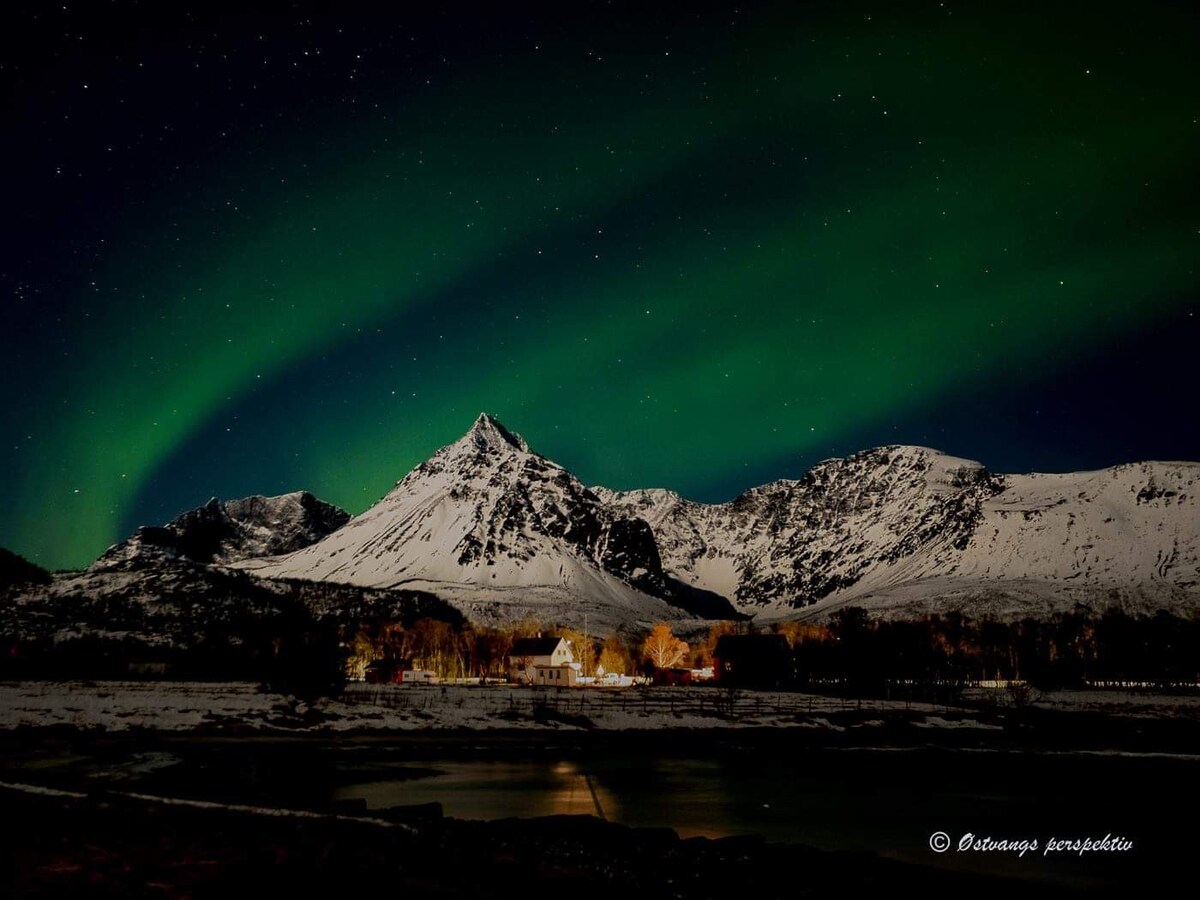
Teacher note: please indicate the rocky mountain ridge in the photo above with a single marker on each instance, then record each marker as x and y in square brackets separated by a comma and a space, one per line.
[505, 532]
[227, 531]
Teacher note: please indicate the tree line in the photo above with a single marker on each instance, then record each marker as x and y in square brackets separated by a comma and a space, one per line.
[851, 648]
[282, 643]
[473, 651]
[1065, 650]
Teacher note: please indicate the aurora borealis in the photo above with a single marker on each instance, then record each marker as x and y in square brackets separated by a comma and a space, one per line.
[251, 252]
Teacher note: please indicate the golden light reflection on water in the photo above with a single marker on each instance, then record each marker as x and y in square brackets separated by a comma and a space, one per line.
[574, 793]
[494, 790]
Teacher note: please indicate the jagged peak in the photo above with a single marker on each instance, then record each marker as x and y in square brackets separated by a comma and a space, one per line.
[906, 450]
[303, 498]
[930, 456]
[656, 496]
[224, 530]
[489, 434]
[216, 505]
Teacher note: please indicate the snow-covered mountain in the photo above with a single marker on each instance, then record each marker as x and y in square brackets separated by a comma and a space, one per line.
[226, 531]
[905, 530]
[502, 532]
[795, 542]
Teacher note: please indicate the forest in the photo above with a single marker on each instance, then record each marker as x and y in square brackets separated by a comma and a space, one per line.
[285, 645]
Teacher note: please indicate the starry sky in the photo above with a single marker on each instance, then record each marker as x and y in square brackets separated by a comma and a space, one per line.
[251, 251]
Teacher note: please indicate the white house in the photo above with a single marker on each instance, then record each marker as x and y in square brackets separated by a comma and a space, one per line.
[528, 655]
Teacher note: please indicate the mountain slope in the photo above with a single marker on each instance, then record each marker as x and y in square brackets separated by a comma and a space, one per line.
[502, 532]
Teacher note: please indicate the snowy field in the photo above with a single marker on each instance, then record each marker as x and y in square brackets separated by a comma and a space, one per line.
[1137, 703]
[186, 706]
[120, 705]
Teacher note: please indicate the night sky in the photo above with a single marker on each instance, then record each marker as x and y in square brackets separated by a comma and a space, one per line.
[251, 253]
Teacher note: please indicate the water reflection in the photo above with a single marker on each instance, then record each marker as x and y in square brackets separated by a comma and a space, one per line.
[886, 803]
[698, 798]
[497, 790]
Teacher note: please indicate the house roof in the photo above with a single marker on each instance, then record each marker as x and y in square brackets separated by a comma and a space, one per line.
[534, 646]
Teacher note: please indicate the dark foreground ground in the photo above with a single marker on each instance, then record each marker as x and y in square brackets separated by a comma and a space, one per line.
[85, 835]
[109, 845]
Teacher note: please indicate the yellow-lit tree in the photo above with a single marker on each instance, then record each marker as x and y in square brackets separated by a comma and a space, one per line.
[361, 652]
[798, 633]
[614, 657]
[663, 649]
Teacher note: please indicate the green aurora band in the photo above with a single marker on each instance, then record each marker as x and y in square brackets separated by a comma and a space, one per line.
[709, 258]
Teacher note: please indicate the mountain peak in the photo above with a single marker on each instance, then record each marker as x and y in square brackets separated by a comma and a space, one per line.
[224, 531]
[488, 434]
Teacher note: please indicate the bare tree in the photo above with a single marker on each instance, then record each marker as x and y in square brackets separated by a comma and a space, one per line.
[664, 649]
[583, 648]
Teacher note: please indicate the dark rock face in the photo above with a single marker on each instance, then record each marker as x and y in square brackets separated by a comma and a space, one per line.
[699, 602]
[227, 531]
[630, 552]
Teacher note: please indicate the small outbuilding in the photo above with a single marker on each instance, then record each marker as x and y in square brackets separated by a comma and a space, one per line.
[386, 671]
